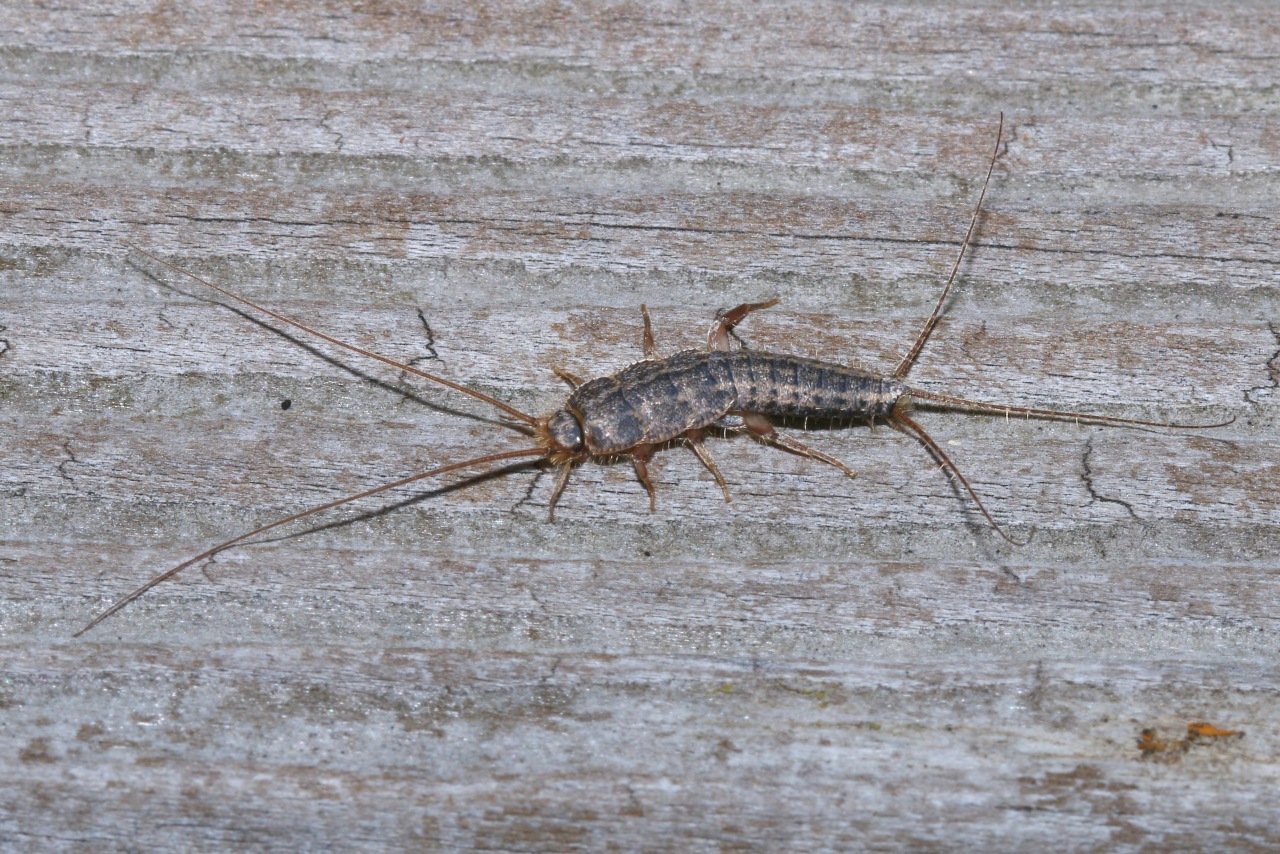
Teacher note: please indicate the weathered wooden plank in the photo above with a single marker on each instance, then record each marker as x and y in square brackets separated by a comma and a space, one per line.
[822, 664]
[515, 752]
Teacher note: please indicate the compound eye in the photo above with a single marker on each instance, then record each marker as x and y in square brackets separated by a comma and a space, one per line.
[565, 430]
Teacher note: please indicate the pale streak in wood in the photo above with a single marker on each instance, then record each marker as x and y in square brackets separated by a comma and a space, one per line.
[824, 663]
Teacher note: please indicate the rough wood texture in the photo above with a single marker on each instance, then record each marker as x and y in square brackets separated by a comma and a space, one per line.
[824, 663]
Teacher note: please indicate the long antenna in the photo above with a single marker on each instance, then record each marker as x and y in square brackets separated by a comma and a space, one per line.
[907, 361]
[170, 573]
[492, 401]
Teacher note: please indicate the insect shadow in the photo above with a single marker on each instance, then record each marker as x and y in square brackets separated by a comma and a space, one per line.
[679, 399]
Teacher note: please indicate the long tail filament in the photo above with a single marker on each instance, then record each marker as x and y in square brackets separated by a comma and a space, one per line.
[900, 419]
[951, 402]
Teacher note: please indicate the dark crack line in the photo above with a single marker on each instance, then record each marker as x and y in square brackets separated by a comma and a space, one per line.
[1227, 147]
[71, 458]
[268, 220]
[1088, 482]
[5, 346]
[1273, 367]
[517, 225]
[122, 347]
[406, 389]
[431, 343]
[1273, 364]
[206, 565]
[339, 139]
[1034, 699]
[903, 241]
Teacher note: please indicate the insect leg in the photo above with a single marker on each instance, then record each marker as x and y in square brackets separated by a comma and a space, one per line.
[640, 455]
[718, 338]
[572, 379]
[761, 427]
[650, 349]
[561, 483]
[694, 438]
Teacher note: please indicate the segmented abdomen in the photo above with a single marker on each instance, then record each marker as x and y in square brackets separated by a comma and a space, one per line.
[793, 386]
[659, 399]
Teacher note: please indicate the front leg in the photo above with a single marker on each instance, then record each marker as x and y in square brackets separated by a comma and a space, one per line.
[640, 455]
[694, 438]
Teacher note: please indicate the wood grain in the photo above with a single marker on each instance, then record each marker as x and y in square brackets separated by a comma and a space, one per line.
[494, 189]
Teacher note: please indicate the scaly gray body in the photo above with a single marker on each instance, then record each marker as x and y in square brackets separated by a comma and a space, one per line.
[657, 400]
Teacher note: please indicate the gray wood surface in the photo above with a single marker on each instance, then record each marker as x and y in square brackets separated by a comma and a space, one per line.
[494, 189]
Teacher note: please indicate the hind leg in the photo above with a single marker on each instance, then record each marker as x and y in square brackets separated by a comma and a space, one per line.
[718, 338]
[760, 427]
[646, 343]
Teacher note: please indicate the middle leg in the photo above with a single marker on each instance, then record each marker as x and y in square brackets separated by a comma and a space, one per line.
[694, 438]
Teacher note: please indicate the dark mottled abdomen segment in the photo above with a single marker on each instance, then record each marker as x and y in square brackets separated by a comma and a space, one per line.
[794, 386]
[657, 400]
